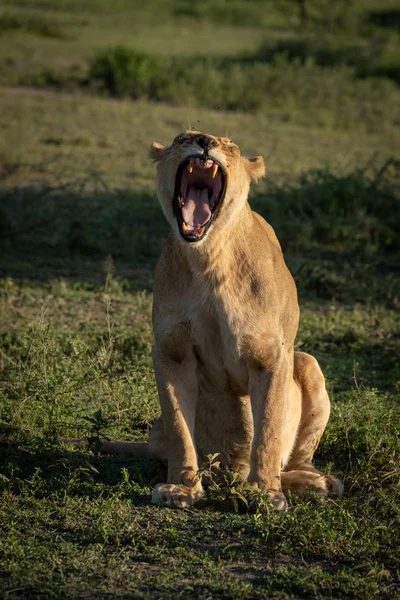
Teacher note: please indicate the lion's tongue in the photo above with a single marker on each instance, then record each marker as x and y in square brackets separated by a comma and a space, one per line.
[196, 211]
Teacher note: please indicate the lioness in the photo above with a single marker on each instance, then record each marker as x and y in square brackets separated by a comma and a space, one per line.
[225, 317]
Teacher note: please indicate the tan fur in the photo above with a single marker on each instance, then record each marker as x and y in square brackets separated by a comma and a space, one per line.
[225, 317]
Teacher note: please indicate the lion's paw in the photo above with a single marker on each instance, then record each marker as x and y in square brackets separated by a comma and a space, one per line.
[277, 500]
[334, 485]
[176, 496]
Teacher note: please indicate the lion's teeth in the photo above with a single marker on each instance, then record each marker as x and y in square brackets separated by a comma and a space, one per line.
[200, 231]
[185, 227]
[190, 167]
[214, 171]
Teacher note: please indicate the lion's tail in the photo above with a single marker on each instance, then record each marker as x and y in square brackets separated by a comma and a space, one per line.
[137, 449]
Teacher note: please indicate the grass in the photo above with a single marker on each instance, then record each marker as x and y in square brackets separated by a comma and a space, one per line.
[257, 82]
[97, 533]
[36, 26]
[75, 358]
[80, 232]
[252, 57]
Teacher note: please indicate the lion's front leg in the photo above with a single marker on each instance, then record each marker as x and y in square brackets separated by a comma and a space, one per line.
[269, 388]
[178, 391]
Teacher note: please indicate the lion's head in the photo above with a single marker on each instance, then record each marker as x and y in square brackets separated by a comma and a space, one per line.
[202, 182]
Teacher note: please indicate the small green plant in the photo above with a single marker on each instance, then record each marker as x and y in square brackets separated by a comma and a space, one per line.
[227, 490]
[99, 423]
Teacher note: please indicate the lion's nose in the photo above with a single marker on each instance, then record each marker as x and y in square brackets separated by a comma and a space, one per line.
[206, 142]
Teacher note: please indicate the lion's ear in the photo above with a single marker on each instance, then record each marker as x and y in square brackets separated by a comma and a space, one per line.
[255, 167]
[156, 151]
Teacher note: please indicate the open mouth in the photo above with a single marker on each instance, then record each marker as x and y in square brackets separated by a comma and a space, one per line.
[199, 188]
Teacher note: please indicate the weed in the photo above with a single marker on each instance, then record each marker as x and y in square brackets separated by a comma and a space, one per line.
[98, 424]
[227, 490]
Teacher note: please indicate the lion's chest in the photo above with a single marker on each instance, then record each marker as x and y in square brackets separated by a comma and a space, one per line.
[216, 340]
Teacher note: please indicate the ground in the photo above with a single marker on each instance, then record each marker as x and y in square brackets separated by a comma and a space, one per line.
[80, 232]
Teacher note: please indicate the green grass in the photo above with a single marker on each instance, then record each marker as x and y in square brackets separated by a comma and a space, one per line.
[252, 83]
[77, 524]
[342, 66]
[34, 25]
[80, 233]
[75, 344]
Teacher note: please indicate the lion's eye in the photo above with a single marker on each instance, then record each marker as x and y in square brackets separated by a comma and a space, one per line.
[179, 139]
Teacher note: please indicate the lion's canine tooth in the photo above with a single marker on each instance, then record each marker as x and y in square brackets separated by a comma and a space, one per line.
[214, 170]
[201, 231]
[190, 166]
[185, 227]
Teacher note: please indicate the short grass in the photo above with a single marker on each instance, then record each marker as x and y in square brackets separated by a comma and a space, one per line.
[80, 232]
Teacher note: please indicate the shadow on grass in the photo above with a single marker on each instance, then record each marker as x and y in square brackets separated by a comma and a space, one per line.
[385, 17]
[33, 25]
[67, 232]
[375, 58]
[338, 232]
[351, 357]
[59, 472]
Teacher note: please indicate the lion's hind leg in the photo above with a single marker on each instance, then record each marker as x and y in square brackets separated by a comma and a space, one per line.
[302, 482]
[299, 474]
